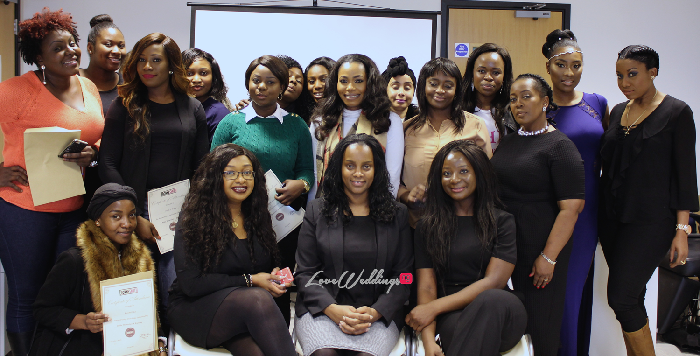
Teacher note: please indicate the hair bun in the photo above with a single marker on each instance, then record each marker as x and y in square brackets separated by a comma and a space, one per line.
[554, 37]
[397, 66]
[100, 19]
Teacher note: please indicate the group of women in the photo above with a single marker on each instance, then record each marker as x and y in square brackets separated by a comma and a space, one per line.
[489, 178]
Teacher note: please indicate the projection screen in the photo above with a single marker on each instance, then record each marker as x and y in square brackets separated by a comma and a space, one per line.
[235, 35]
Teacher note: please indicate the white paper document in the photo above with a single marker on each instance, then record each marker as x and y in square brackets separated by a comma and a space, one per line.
[130, 303]
[284, 218]
[51, 178]
[164, 205]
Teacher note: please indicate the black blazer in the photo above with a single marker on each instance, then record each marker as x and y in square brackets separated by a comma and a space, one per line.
[124, 159]
[65, 294]
[320, 248]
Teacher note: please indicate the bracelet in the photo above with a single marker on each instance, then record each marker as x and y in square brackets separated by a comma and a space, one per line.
[548, 259]
[307, 186]
[248, 280]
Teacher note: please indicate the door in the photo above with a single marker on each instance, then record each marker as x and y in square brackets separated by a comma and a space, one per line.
[478, 22]
[7, 48]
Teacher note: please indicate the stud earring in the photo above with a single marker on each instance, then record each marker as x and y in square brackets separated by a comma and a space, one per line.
[544, 108]
[653, 77]
[43, 74]
[170, 72]
[97, 223]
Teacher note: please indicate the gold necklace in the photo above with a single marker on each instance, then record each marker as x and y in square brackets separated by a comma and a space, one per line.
[234, 224]
[627, 130]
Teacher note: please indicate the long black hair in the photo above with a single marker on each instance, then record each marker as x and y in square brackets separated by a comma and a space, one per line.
[218, 90]
[439, 222]
[433, 67]
[500, 103]
[382, 204]
[206, 218]
[376, 104]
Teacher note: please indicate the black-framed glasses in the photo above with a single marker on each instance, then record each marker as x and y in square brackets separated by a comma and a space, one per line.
[233, 175]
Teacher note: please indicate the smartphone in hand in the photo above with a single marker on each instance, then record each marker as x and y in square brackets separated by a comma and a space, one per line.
[76, 146]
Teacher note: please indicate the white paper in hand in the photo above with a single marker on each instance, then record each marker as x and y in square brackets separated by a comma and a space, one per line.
[164, 205]
[284, 218]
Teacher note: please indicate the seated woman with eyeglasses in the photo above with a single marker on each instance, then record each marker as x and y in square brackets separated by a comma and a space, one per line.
[225, 260]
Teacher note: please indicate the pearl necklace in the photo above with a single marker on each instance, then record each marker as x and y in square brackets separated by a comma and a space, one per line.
[522, 132]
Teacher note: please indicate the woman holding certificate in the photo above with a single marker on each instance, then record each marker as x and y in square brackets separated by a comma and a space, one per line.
[155, 134]
[356, 231]
[68, 308]
[226, 257]
[31, 236]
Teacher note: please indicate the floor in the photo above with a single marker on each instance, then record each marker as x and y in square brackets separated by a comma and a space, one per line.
[664, 349]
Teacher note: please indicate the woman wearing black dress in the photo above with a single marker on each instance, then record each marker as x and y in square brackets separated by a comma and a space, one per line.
[225, 249]
[541, 182]
[357, 231]
[465, 253]
[649, 184]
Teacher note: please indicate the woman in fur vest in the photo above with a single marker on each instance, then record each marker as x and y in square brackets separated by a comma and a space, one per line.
[68, 307]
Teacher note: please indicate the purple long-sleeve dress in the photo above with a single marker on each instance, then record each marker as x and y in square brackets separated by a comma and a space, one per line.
[582, 123]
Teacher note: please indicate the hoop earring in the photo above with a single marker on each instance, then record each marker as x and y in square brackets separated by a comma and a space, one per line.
[280, 97]
[43, 74]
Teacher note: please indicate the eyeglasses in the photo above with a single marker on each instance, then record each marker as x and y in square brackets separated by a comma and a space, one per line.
[233, 175]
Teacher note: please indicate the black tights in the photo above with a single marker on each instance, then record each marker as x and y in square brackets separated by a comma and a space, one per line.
[249, 323]
[334, 352]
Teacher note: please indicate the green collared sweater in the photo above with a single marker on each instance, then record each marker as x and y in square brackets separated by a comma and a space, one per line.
[285, 148]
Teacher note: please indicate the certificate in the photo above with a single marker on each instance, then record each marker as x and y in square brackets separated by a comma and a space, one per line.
[130, 303]
[164, 205]
[284, 218]
[51, 178]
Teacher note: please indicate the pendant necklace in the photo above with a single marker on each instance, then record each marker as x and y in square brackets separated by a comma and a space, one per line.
[234, 224]
[628, 128]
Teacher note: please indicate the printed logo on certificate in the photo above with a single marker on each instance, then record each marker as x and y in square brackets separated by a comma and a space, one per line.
[130, 303]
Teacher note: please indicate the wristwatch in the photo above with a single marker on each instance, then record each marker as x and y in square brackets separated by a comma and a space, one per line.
[683, 227]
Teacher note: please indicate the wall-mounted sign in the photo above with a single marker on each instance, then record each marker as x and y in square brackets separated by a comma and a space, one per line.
[461, 49]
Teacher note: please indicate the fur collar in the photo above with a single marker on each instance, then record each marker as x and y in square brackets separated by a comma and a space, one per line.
[102, 259]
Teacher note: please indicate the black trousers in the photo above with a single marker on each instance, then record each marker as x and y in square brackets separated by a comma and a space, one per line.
[494, 322]
[633, 252]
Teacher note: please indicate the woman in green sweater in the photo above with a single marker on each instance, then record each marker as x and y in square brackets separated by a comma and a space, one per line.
[280, 140]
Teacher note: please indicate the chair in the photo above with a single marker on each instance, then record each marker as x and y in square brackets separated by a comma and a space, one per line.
[180, 347]
[403, 344]
[522, 348]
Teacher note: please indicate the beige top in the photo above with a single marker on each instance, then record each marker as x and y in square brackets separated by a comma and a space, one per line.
[423, 144]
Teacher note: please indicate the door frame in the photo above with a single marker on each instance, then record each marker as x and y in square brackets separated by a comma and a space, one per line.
[565, 9]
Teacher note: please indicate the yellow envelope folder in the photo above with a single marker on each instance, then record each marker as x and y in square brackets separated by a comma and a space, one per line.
[51, 178]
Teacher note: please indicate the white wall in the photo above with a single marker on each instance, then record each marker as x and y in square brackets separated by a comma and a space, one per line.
[603, 28]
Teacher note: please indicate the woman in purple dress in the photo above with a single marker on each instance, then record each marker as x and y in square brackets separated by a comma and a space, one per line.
[582, 117]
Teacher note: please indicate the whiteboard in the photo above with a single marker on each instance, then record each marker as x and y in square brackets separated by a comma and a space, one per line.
[236, 35]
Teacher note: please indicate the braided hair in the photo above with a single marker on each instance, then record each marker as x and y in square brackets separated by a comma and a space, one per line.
[640, 53]
[542, 87]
